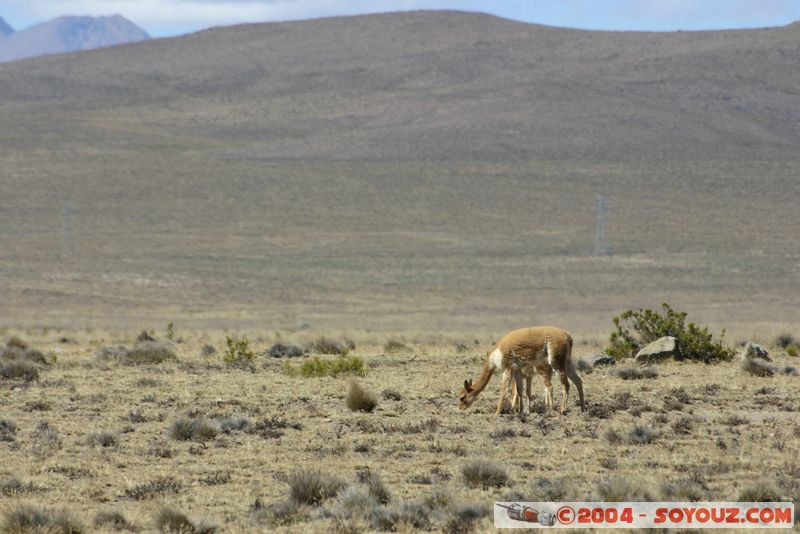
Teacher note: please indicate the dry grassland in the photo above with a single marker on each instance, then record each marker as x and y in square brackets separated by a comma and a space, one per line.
[100, 438]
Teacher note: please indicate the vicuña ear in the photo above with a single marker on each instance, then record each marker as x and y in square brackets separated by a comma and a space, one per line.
[467, 384]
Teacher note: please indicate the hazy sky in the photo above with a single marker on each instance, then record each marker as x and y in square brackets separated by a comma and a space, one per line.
[171, 17]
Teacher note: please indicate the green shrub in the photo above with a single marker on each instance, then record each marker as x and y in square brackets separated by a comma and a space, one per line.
[316, 366]
[635, 329]
[238, 353]
[793, 350]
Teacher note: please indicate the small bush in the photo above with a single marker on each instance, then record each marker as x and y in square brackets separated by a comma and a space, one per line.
[27, 354]
[238, 353]
[149, 352]
[784, 340]
[19, 370]
[484, 474]
[29, 518]
[12, 487]
[154, 488]
[735, 420]
[622, 489]
[635, 329]
[683, 426]
[279, 514]
[612, 436]
[684, 491]
[641, 435]
[7, 429]
[46, 440]
[405, 515]
[171, 520]
[233, 423]
[631, 373]
[208, 350]
[312, 487]
[217, 478]
[103, 438]
[316, 367]
[16, 342]
[360, 400]
[793, 350]
[761, 492]
[377, 489]
[355, 501]
[112, 519]
[279, 350]
[325, 345]
[789, 370]
[393, 346]
[198, 429]
[145, 336]
[391, 394]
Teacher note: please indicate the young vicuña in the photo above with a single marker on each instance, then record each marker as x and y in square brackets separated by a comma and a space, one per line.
[541, 348]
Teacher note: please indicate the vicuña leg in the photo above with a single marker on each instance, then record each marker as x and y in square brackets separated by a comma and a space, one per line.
[546, 373]
[503, 387]
[562, 376]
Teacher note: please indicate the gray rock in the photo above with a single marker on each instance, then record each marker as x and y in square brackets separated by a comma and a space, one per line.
[601, 359]
[658, 350]
[754, 350]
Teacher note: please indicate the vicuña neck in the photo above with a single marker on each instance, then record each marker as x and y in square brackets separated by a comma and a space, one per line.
[479, 383]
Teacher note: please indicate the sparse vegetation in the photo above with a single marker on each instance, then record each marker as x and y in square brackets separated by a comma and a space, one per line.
[635, 329]
[148, 352]
[632, 373]
[317, 367]
[113, 519]
[8, 428]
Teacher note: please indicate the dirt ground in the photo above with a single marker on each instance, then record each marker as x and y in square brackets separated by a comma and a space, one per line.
[109, 448]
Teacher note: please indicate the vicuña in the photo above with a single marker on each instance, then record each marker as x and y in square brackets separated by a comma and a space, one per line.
[541, 348]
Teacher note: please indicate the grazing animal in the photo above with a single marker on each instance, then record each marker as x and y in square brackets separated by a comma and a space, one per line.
[541, 348]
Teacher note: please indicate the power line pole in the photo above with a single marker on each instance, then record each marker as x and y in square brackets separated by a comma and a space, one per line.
[601, 246]
[66, 239]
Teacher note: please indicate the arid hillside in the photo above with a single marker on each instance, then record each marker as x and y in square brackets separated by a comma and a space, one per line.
[428, 170]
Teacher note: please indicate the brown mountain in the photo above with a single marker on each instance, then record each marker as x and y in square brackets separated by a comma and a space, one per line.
[68, 34]
[427, 170]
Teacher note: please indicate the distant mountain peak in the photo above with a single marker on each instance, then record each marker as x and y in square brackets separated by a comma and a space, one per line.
[5, 29]
[69, 33]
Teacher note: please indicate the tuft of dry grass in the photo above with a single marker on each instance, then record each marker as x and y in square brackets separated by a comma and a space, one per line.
[393, 346]
[359, 399]
[23, 518]
[622, 489]
[154, 488]
[103, 438]
[172, 520]
[112, 519]
[8, 429]
[484, 474]
[312, 487]
[199, 429]
[318, 367]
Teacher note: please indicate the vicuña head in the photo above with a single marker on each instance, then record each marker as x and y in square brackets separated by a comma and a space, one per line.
[541, 348]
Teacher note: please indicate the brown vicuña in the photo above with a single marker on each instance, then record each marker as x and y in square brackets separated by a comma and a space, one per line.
[540, 348]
